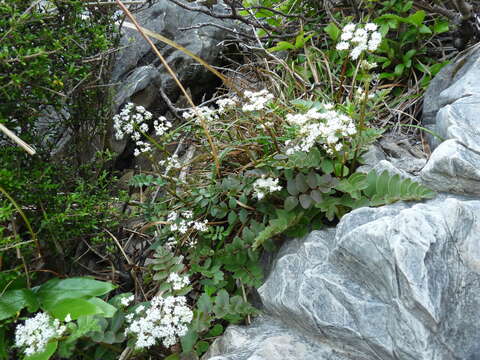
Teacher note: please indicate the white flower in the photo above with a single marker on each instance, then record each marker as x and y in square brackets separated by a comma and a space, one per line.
[327, 127]
[371, 27]
[359, 38]
[265, 185]
[178, 282]
[68, 318]
[36, 332]
[226, 104]
[343, 45]
[165, 320]
[256, 100]
[125, 301]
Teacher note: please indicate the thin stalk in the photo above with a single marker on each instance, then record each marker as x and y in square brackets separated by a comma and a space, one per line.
[25, 219]
[175, 78]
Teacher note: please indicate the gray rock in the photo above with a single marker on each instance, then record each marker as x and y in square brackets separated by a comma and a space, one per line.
[452, 167]
[397, 282]
[454, 82]
[167, 19]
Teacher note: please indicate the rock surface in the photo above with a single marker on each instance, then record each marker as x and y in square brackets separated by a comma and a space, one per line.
[140, 75]
[398, 282]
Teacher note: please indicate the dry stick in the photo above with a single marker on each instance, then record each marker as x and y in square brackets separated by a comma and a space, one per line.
[169, 69]
[16, 139]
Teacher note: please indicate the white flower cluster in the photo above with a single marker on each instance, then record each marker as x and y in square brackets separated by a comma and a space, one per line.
[165, 319]
[264, 186]
[132, 121]
[360, 39]
[177, 281]
[256, 100]
[226, 104]
[326, 128]
[182, 222]
[35, 334]
[208, 114]
[125, 301]
[171, 163]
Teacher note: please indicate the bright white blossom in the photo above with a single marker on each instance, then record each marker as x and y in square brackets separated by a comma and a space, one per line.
[177, 281]
[359, 39]
[68, 318]
[226, 104]
[325, 128]
[182, 222]
[133, 121]
[256, 100]
[125, 301]
[264, 186]
[201, 112]
[165, 320]
[171, 163]
[36, 332]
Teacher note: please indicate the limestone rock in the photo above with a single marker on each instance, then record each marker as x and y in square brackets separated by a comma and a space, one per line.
[396, 282]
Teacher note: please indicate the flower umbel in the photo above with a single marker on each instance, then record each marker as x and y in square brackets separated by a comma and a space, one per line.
[359, 38]
[165, 320]
[36, 332]
[264, 186]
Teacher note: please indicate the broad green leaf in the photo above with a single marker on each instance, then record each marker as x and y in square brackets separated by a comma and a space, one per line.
[45, 355]
[74, 307]
[56, 290]
[105, 308]
[13, 301]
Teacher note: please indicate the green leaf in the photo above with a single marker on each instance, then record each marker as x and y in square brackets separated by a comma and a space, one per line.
[103, 307]
[13, 301]
[316, 196]
[290, 203]
[56, 290]
[74, 307]
[327, 166]
[216, 330]
[440, 26]
[45, 355]
[333, 31]
[201, 347]
[188, 341]
[282, 45]
[305, 201]
[277, 226]
[417, 18]
[424, 29]
[301, 183]
[292, 187]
